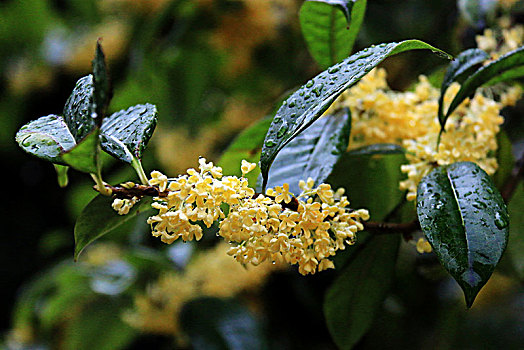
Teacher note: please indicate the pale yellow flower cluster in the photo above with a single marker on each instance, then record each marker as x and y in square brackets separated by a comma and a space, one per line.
[211, 273]
[470, 136]
[381, 115]
[499, 41]
[276, 226]
[270, 228]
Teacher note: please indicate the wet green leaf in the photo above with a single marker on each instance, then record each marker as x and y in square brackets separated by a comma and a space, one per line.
[46, 138]
[126, 133]
[377, 148]
[84, 156]
[459, 69]
[102, 88]
[78, 109]
[509, 66]
[98, 218]
[464, 217]
[355, 297]
[330, 28]
[213, 323]
[309, 102]
[313, 153]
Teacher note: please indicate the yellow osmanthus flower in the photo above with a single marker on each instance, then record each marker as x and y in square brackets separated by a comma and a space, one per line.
[276, 226]
[499, 41]
[211, 273]
[381, 115]
[423, 246]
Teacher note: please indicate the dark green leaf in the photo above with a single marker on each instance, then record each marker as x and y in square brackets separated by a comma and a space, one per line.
[308, 103]
[214, 323]
[356, 296]
[125, 134]
[98, 218]
[313, 153]
[78, 110]
[247, 145]
[102, 89]
[459, 69]
[84, 156]
[477, 12]
[47, 138]
[330, 28]
[377, 148]
[61, 175]
[464, 217]
[506, 65]
[516, 230]
[371, 181]
[505, 159]
[99, 326]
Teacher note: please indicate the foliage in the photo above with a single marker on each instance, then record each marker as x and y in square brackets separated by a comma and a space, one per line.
[468, 193]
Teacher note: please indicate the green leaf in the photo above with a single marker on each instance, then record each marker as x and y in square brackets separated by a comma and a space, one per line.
[516, 230]
[377, 148]
[125, 134]
[84, 156]
[464, 217]
[477, 12]
[371, 181]
[330, 28]
[61, 175]
[505, 159]
[459, 69]
[78, 109]
[309, 102]
[98, 218]
[313, 153]
[507, 66]
[213, 323]
[99, 326]
[246, 145]
[102, 88]
[355, 297]
[46, 138]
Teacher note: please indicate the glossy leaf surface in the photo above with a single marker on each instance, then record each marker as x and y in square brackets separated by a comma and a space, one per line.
[213, 323]
[46, 138]
[102, 88]
[330, 28]
[98, 218]
[463, 216]
[458, 70]
[308, 103]
[78, 109]
[499, 70]
[353, 300]
[125, 134]
[313, 153]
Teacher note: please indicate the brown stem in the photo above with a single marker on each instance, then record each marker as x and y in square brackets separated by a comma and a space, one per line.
[134, 191]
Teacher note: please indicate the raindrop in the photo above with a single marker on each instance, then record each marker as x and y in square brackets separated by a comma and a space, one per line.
[500, 221]
[269, 143]
[310, 83]
[282, 131]
[292, 104]
[277, 119]
[333, 69]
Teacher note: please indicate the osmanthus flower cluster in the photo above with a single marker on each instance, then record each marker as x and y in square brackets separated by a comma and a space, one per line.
[276, 226]
[381, 115]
